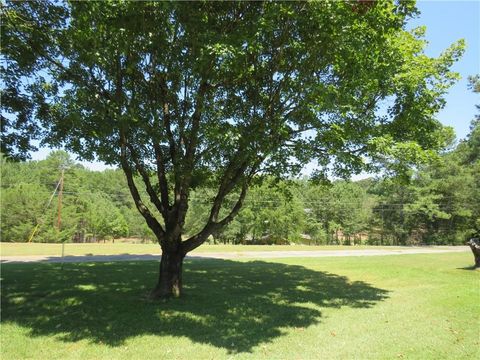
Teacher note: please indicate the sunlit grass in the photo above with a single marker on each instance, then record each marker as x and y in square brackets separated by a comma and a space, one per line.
[409, 306]
[26, 249]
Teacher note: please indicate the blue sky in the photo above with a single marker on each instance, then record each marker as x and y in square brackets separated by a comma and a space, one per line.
[446, 22]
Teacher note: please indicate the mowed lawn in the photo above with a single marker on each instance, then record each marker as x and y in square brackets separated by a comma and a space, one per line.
[384, 307]
[26, 249]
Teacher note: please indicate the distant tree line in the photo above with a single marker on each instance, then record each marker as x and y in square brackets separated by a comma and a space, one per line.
[440, 204]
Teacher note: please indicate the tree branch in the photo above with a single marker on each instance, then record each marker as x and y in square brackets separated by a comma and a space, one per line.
[148, 185]
[227, 184]
[167, 122]
[152, 222]
[199, 239]
[196, 117]
[162, 177]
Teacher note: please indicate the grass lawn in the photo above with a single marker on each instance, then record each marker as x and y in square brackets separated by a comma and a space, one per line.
[25, 249]
[384, 307]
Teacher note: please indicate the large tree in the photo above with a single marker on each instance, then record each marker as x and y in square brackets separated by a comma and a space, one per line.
[184, 94]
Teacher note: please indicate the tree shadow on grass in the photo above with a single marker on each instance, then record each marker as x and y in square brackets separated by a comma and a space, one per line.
[472, 267]
[227, 304]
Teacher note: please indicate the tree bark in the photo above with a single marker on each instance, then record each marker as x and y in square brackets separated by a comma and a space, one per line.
[474, 244]
[170, 277]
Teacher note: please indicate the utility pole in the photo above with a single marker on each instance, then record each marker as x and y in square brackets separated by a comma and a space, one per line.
[60, 194]
[59, 217]
[40, 222]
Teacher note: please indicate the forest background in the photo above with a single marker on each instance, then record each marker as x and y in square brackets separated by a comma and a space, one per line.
[438, 204]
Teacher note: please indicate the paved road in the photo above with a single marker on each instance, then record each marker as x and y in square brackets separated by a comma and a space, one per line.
[240, 255]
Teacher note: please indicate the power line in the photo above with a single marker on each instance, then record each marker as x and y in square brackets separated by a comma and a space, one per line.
[276, 203]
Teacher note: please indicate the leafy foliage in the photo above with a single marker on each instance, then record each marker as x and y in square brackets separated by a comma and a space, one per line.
[210, 94]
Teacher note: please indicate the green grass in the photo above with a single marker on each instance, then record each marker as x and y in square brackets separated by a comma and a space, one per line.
[408, 306]
[26, 249]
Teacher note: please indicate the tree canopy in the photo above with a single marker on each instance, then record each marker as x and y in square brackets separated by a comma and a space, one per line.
[217, 93]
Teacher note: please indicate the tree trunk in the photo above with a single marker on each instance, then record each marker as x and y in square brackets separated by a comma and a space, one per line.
[474, 244]
[170, 278]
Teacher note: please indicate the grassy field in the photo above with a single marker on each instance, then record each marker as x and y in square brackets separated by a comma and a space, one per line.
[408, 306]
[24, 249]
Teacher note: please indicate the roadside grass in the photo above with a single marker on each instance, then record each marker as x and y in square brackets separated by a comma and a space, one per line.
[26, 249]
[384, 307]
